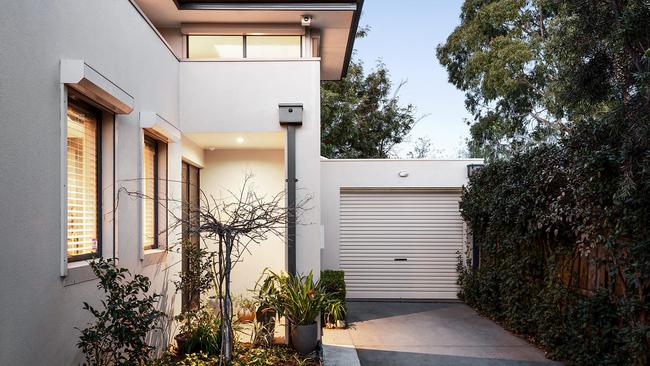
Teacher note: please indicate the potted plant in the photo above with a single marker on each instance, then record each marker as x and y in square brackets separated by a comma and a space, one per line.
[265, 299]
[200, 332]
[246, 312]
[335, 313]
[301, 301]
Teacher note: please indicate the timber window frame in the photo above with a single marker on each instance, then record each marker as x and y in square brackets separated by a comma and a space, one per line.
[78, 109]
[154, 189]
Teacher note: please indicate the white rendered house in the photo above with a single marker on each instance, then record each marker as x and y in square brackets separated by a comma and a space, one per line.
[161, 97]
[102, 94]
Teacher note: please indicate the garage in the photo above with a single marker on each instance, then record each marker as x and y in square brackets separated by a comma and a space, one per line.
[400, 243]
[394, 226]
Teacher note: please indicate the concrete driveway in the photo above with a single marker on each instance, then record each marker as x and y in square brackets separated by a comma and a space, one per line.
[394, 333]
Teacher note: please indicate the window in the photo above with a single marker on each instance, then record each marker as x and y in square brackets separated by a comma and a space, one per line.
[83, 181]
[273, 46]
[154, 191]
[190, 199]
[257, 47]
[215, 46]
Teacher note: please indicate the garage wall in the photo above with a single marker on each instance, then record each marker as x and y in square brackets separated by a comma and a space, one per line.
[336, 174]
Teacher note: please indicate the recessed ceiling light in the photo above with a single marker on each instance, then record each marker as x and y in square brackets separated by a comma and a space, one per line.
[240, 140]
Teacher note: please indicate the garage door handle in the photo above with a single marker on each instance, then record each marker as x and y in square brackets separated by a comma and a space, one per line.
[400, 259]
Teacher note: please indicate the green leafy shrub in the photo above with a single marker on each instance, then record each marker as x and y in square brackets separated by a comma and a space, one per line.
[538, 213]
[333, 284]
[126, 316]
[200, 332]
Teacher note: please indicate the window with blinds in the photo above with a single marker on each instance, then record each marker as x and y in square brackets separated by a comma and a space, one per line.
[83, 229]
[151, 178]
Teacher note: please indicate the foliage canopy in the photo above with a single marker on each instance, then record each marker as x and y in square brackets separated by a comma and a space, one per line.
[361, 116]
[560, 93]
[533, 68]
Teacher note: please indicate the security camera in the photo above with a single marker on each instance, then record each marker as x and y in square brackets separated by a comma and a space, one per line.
[306, 20]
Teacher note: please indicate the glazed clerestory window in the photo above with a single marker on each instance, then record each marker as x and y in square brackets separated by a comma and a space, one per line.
[83, 177]
[245, 46]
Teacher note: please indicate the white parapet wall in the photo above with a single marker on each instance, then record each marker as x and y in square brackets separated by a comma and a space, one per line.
[378, 173]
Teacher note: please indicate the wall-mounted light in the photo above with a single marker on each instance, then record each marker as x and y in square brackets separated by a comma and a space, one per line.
[305, 20]
[211, 148]
[472, 169]
[403, 173]
[240, 140]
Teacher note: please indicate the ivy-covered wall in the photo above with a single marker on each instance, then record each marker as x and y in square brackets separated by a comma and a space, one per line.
[539, 214]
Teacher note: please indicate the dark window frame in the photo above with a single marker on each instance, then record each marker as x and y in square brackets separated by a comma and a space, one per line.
[81, 103]
[190, 299]
[148, 139]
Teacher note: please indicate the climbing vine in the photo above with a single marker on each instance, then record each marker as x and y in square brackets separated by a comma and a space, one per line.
[563, 233]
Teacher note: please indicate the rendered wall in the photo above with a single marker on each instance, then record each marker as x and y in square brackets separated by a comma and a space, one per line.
[225, 170]
[39, 314]
[193, 153]
[243, 96]
[378, 173]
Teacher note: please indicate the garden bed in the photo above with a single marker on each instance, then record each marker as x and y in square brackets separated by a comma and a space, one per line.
[245, 355]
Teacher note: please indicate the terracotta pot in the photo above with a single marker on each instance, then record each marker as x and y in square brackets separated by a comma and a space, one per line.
[304, 338]
[245, 316]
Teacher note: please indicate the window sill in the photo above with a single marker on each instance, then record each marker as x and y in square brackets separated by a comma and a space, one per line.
[154, 256]
[78, 272]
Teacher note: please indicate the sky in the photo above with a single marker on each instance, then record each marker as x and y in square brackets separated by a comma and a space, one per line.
[404, 35]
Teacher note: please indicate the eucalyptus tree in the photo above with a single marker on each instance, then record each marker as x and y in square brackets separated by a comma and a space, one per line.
[530, 69]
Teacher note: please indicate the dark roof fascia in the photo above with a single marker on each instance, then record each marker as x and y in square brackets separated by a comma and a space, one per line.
[313, 5]
[351, 37]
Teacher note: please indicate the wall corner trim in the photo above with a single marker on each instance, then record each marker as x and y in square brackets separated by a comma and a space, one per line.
[160, 126]
[80, 76]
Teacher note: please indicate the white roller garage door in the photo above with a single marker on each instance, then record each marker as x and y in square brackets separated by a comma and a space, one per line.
[400, 243]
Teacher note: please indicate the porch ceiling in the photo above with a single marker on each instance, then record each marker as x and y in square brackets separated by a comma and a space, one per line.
[239, 140]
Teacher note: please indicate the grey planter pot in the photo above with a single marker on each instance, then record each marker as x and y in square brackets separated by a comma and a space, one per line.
[304, 338]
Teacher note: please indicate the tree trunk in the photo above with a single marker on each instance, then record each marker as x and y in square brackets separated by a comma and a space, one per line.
[226, 329]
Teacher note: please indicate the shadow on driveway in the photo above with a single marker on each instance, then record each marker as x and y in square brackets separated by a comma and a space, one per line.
[402, 333]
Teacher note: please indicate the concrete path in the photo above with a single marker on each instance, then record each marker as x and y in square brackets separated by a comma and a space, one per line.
[338, 349]
[413, 334]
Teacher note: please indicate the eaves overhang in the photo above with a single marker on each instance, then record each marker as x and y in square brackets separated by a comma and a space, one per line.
[337, 20]
[265, 5]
